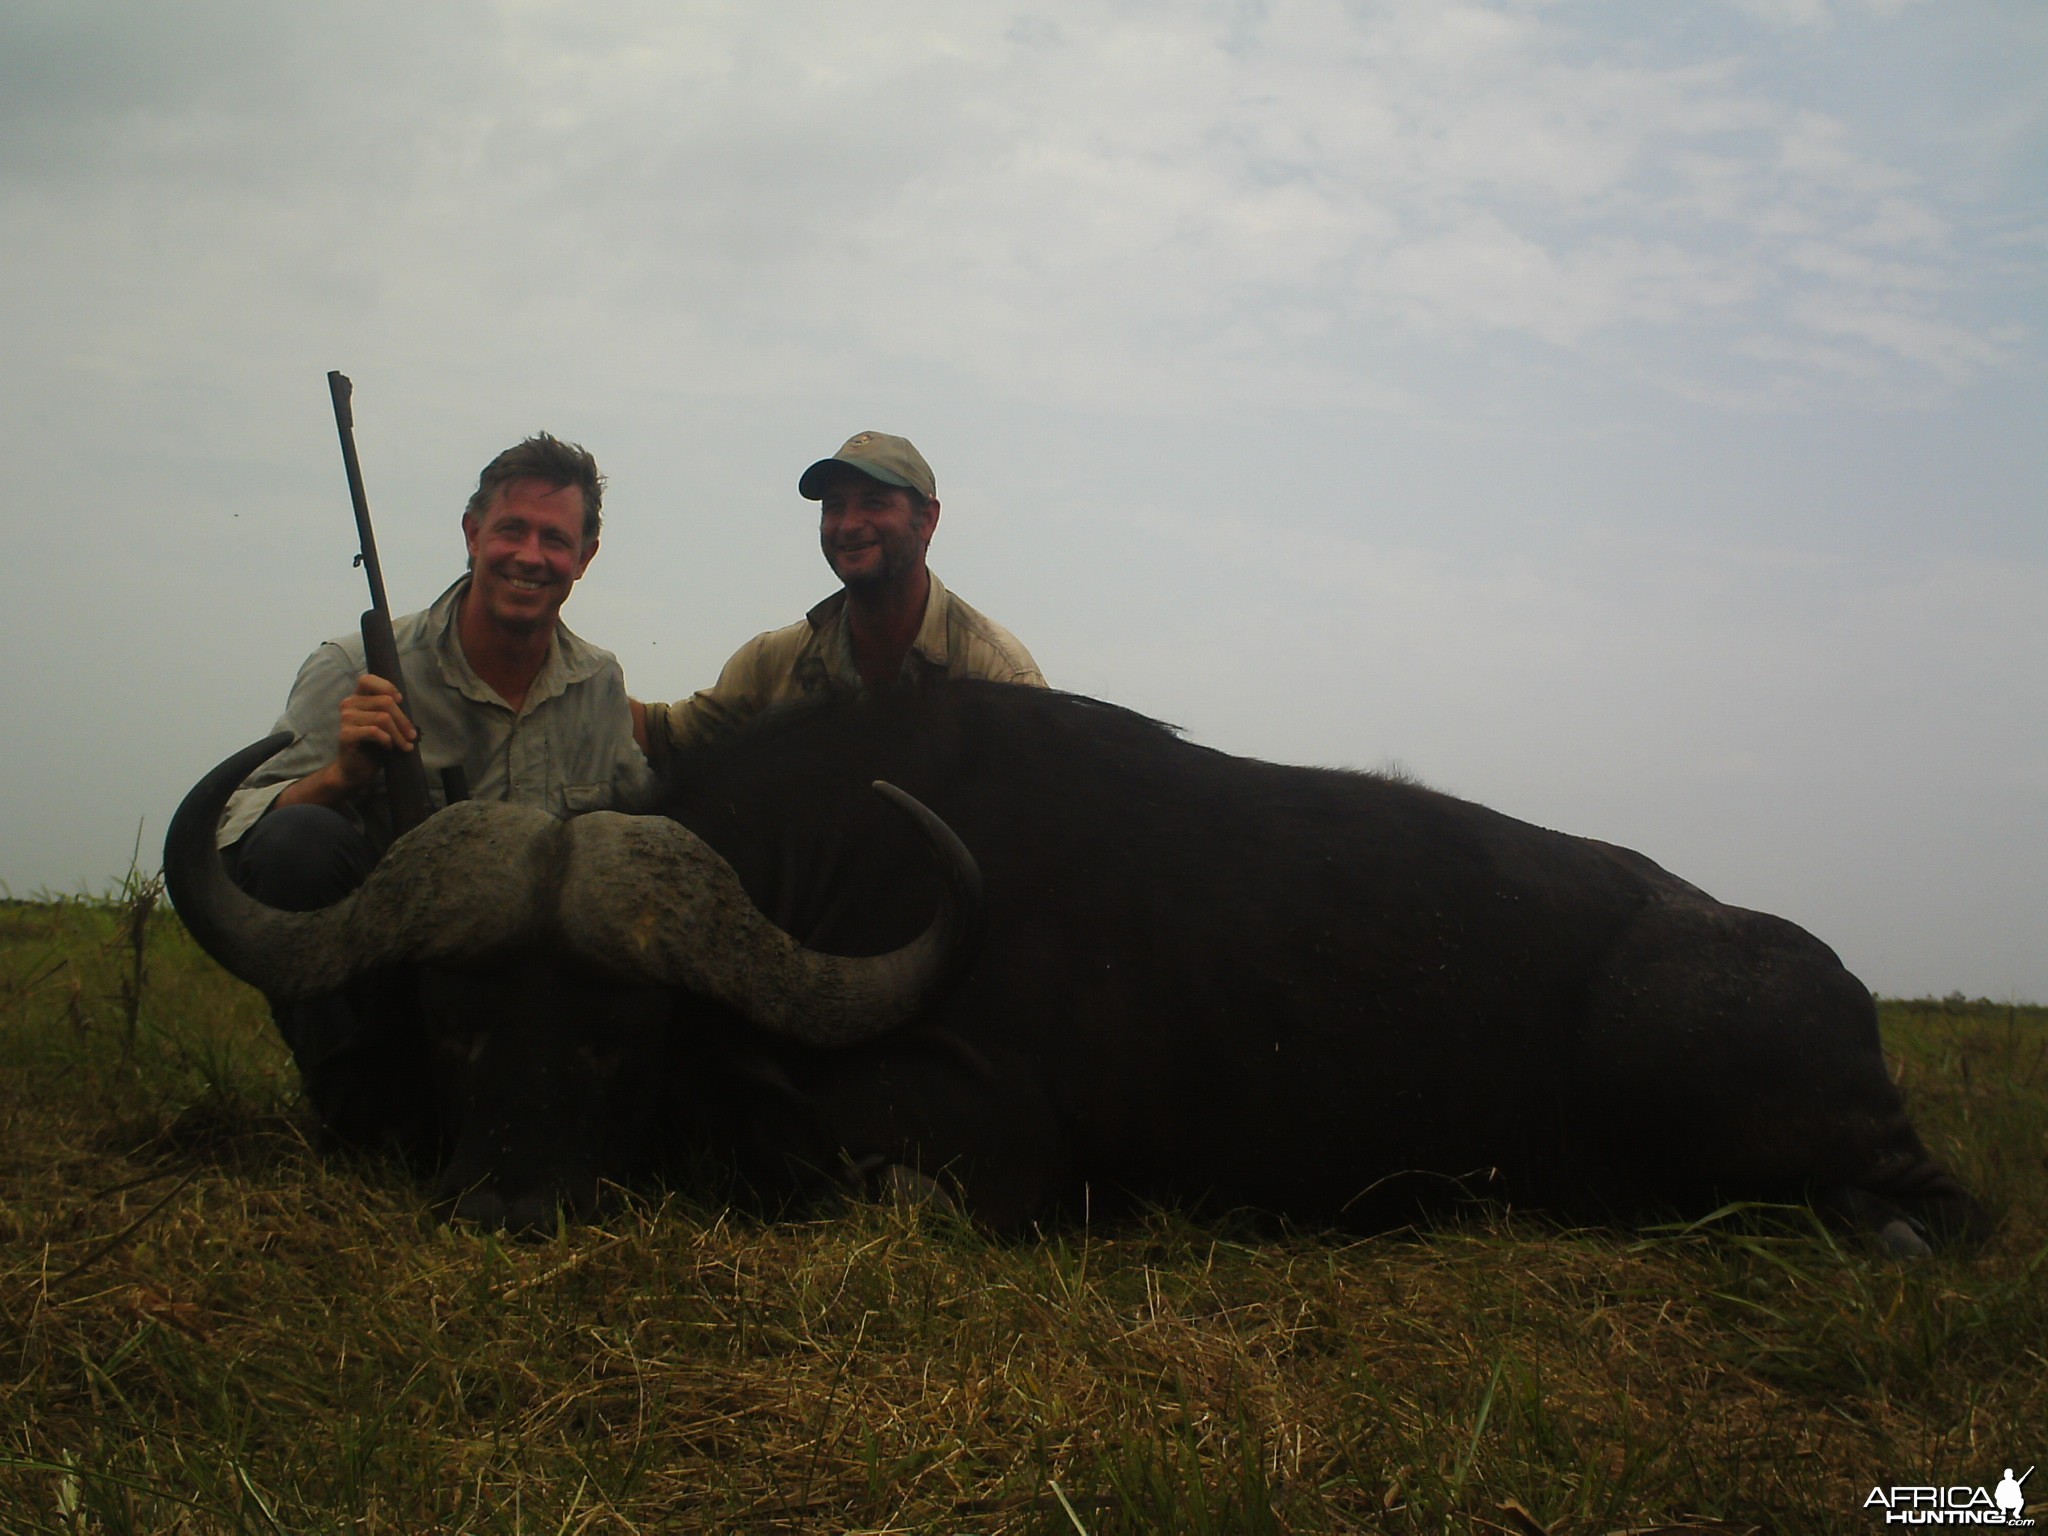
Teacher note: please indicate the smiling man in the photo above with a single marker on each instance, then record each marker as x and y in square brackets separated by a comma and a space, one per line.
[496, 685]
[499, 686]
[891, 625]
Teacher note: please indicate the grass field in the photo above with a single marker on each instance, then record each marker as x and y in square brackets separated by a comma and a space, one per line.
[206, 1328]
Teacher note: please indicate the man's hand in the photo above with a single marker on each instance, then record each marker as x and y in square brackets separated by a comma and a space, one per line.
[372, 724]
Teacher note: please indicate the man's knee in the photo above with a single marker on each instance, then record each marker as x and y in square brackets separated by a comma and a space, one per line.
[300, 858]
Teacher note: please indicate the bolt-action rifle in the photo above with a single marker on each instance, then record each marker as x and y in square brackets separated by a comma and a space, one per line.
[405, 773]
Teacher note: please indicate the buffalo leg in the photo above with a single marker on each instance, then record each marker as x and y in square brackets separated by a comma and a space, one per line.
[1730, 1055]
[361, 1053]
[981, 1126]
[550, 1084]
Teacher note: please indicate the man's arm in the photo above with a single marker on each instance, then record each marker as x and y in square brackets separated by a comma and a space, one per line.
[745, 687]
[313, 713]
[667, 730]
[372, 723]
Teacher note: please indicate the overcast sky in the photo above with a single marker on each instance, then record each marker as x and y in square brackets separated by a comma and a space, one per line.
[1632, 417]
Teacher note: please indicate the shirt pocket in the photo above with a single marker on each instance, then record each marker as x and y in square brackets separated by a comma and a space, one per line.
[579, 798]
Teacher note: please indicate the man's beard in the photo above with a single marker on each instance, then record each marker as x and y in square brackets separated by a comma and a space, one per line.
[898, 557]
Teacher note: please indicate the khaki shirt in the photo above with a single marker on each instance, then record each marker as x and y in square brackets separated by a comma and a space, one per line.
[813, 658]
[569, 749]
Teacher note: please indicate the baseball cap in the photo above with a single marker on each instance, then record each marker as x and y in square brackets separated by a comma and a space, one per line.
[891, 460]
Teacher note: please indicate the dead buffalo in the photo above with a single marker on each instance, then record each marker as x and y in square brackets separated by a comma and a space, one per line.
[1337, 996]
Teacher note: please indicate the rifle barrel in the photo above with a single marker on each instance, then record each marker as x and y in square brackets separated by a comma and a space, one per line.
[341, 389]
[405, 773]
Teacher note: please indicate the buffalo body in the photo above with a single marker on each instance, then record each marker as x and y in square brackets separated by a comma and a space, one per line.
[1338, 996]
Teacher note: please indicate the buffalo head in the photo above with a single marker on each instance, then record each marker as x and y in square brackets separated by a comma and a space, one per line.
[515, 901]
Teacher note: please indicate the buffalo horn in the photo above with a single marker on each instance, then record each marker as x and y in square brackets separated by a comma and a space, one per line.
[634, 898]
[463, 887]
[645, 899]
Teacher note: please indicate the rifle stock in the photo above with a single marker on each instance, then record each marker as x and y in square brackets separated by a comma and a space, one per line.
[405, 773]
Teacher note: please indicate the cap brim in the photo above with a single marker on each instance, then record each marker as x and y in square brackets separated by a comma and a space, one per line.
[811, 484]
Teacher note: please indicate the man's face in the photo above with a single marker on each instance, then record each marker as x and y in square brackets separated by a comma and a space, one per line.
[526, 552]
[872, 533]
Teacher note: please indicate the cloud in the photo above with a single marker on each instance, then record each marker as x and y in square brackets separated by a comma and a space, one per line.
[1292, 191]
[1817, 13]
[1487, 274]
[1943, 348]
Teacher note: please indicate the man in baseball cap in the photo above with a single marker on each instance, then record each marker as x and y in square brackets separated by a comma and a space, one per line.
[892, 624]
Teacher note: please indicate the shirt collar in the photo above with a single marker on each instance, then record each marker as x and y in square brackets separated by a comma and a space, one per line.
[931, 634]
[828, 622]
[569, 659]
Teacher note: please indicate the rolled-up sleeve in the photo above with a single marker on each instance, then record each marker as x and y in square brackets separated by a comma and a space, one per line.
[744, 688]
[313, 714]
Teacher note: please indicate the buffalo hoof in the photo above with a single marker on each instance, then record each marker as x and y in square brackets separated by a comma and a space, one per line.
[1912, 1223]
[538, 1211]
[523, 1217]
[906, 1186]
[877, 1179]
[528, 1215]
[1904, 1238]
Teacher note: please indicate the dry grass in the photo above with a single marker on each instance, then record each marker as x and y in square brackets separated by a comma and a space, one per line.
[206, 1328]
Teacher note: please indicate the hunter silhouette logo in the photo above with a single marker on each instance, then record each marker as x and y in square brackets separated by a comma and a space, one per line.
[2011, 1502]
[2004, 1504]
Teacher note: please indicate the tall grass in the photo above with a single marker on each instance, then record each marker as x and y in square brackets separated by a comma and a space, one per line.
[205, 1327]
